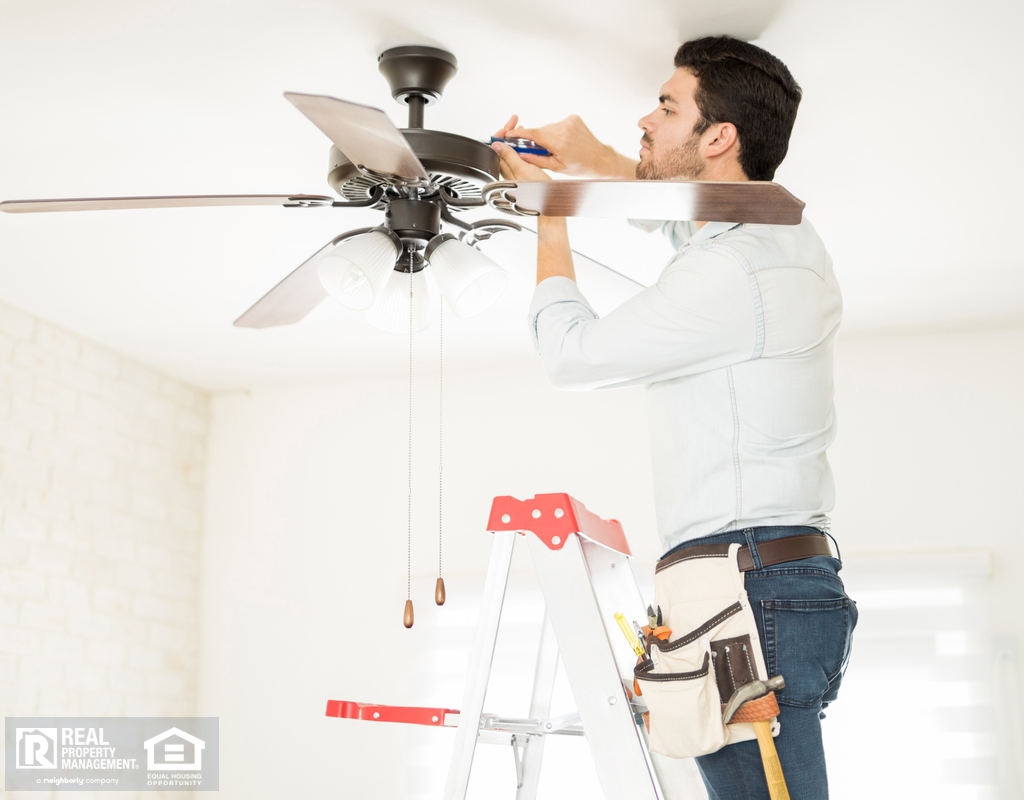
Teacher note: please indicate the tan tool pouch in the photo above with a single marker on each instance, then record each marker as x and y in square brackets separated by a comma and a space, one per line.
[714, 643]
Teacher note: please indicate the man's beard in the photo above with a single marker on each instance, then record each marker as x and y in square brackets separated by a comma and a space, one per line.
[683, 162]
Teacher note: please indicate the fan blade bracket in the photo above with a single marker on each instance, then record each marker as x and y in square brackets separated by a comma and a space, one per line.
[308, 201]
[375, 196]
[460, 202]
[486, 228]
[499, 197]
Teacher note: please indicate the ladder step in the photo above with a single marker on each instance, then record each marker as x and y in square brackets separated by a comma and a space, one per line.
[413, 715]
[565, 725]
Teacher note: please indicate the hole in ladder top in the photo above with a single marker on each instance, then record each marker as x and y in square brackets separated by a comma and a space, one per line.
[559, 513]
[506, 518]
[536, 513]
[556, 539]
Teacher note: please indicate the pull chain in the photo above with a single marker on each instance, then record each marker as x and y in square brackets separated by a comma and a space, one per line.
[407, 618]
[439, 595]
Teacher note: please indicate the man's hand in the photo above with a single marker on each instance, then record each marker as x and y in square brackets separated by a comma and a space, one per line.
[574, 150]
[513, 168]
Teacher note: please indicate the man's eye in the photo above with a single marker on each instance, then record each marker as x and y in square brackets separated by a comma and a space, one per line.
[666, 111]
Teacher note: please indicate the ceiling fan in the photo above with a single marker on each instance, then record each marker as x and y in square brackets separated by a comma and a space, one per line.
[421, 179]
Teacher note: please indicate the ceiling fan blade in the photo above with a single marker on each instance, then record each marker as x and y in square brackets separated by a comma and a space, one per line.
[363, 134]
[291, 299]
[117, 203]
[761, 202]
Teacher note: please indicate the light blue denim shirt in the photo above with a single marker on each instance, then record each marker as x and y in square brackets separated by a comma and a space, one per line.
[734, 344]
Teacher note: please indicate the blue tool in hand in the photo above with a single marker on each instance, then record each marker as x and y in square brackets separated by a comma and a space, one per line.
[521, 145]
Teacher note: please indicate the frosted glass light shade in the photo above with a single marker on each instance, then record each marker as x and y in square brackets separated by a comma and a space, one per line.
[391, 311]
[355, 272]
[469, 280]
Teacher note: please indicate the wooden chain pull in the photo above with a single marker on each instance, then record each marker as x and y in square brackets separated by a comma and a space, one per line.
[407, 618]
[439, 592]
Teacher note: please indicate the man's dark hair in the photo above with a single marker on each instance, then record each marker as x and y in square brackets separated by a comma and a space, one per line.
[740, 83]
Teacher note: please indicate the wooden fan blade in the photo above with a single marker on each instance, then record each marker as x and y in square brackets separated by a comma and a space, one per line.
[295, 296]
[761, 202]
[364, 134]
[188, 201]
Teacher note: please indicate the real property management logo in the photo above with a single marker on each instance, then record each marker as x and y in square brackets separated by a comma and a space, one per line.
[36, 748]
[112, 754]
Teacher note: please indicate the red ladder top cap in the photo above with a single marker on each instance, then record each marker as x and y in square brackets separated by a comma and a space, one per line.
[553, 518]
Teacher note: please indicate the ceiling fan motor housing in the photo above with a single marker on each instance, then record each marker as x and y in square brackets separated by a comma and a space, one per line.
[460, 164]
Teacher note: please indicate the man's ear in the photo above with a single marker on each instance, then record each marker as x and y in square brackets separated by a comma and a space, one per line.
[723, 136]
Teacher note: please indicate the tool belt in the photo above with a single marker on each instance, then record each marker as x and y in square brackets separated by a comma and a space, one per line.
[713, 647]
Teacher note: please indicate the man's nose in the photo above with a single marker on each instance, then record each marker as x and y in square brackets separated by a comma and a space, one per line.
[645, 124]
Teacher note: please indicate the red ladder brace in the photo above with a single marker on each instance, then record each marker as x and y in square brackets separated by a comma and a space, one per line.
[554, 519]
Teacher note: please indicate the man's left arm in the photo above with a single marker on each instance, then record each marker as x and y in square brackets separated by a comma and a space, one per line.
[700, 316]
[554, 255]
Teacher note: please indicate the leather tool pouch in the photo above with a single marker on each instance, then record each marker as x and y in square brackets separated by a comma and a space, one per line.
[713, 649]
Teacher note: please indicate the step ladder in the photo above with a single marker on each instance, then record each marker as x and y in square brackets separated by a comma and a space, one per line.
[584, 570]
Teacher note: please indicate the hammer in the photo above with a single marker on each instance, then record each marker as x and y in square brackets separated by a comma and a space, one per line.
[760, 713]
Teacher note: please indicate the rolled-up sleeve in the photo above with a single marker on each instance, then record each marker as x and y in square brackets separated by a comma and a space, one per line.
[702, 314]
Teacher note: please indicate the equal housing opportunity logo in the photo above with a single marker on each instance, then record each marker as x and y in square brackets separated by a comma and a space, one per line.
[112, 753]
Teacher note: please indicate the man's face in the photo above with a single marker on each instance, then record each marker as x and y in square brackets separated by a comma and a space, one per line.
[669, 147]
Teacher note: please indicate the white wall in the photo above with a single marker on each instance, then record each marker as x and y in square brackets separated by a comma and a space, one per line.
[304, 556]
[929, 453]
[101, 497]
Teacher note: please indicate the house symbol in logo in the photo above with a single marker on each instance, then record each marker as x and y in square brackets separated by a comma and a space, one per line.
[36, 748]
[174, 749]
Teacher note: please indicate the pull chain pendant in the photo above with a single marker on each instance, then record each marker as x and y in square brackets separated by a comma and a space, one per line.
[439, 595]
[407, 617]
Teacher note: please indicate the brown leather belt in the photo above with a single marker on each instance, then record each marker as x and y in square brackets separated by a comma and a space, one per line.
[775, 551]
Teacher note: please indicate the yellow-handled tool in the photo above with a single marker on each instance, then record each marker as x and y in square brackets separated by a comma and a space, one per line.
[627, 631]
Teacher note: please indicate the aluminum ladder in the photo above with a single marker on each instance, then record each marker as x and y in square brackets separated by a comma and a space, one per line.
[583, 565]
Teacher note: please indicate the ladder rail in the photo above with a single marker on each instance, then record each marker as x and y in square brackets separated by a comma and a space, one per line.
[480, 666]
[618, 750]
[540, 709]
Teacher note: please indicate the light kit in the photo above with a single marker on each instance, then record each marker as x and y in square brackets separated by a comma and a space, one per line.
[469, 281]
[356, 271]
[366, 272]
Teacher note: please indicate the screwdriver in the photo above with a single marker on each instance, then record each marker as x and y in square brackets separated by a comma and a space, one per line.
[630, 636]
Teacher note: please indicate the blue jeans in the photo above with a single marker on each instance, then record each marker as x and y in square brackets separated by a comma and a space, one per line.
[805, 621]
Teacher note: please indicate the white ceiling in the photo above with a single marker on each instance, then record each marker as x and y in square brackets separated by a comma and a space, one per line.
[906, 152]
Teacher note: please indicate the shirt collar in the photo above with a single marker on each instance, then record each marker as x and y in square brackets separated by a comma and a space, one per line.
[711, 230]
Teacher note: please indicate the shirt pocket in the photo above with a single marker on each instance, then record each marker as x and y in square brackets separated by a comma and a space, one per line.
[807, 642]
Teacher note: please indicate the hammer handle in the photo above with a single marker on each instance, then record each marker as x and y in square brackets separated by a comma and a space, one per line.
[770, 759]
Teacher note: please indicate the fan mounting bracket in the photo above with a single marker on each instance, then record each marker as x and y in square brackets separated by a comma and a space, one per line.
[417, 76]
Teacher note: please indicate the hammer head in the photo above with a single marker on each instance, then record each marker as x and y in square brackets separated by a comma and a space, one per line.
[750, 691]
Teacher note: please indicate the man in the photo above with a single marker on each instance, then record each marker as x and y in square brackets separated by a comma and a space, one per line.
[735, 346]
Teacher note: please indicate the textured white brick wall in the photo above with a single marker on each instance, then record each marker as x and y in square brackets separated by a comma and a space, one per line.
[101, 478]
